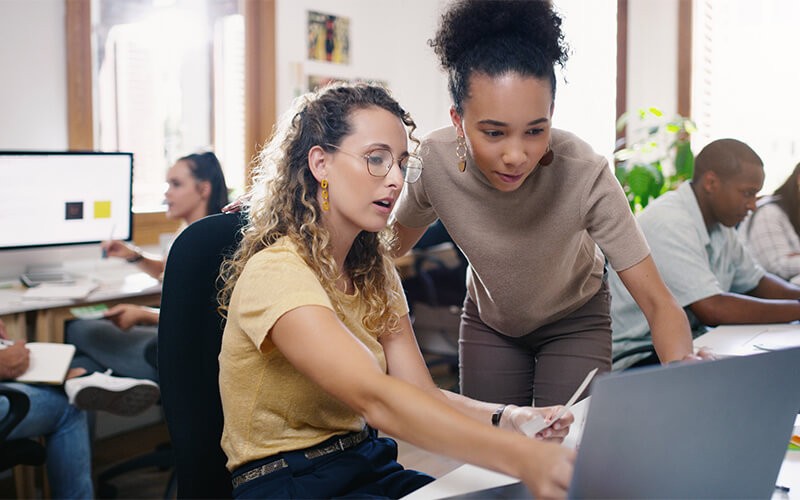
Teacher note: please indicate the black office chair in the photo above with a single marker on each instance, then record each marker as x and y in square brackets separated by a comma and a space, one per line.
[23, 451]
[435, 293]
[189, 339]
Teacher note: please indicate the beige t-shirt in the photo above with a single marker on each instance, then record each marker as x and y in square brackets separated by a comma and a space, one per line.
[532, 252]
[269, 406]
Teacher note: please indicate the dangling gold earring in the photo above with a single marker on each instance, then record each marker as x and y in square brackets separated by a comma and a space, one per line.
[547, 157]
[324, 185]
[461, 153]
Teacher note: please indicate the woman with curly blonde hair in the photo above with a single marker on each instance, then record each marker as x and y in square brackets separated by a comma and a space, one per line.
[318, 353]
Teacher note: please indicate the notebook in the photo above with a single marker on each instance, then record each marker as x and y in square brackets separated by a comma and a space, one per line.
[49, 362]
[716, 429]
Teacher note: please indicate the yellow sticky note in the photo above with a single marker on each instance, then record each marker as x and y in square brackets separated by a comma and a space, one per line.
[102, 210]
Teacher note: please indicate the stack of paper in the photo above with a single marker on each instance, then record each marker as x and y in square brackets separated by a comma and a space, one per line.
[77, 290]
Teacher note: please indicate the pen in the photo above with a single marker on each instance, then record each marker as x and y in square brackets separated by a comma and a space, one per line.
[784, 489]
[110, 238]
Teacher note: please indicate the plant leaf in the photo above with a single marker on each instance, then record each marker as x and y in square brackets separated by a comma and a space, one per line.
[684, 161]
[641, 181]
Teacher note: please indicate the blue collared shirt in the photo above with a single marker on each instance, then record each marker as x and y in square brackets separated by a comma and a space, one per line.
[694, 262]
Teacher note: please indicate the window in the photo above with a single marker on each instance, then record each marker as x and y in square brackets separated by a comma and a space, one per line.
[746, 79]
[169, 81]
[586, 101]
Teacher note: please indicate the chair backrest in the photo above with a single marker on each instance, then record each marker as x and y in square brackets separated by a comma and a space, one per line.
[17, 451]
[434, 282]
[189, 338]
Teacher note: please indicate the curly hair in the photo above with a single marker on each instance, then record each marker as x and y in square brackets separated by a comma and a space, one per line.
[282, 202]
[495, 37]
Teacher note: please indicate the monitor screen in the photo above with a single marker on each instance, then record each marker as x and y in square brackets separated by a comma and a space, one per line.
[64, 198]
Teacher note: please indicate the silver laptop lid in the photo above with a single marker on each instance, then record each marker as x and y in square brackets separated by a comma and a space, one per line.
[716, 429]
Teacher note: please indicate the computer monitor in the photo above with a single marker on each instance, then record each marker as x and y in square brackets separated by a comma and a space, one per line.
[64, 198]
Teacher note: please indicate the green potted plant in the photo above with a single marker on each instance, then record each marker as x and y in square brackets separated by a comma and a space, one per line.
[657, 158]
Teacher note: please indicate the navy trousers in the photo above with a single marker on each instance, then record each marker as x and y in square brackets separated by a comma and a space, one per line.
[368, 470]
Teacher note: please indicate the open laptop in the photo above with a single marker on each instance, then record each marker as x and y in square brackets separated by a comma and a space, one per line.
[716, 429]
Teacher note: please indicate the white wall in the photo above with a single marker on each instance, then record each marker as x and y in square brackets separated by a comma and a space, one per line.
[33, 91]
[388, 42]
[653, 55]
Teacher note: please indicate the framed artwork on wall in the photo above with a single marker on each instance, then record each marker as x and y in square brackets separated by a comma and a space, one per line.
[328, 38]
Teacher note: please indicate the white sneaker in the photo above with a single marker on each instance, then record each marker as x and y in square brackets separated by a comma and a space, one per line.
[117, 395]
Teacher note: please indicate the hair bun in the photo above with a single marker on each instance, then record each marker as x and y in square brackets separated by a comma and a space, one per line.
[467, 24]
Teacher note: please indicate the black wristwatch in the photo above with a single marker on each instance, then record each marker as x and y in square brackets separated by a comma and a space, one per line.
[497, 415]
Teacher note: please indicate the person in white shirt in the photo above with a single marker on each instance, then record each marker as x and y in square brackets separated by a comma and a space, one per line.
[771, 232]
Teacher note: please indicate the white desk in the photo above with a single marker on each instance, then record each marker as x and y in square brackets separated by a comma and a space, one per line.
[117, 282]
[727, 340]
[468, 478]
[737, 340]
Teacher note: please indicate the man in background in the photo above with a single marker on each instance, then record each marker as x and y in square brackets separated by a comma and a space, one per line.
[693, 240]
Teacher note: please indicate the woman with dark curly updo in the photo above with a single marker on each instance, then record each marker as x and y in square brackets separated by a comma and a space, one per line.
[535, 211]
[318, 351]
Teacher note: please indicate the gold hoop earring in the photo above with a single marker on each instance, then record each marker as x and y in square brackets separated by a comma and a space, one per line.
[461, 153]
[547, 157]
[324, 185]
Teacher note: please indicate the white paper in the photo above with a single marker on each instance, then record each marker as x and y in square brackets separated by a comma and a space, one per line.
[538, 423]
[78, 290]
[49, 362]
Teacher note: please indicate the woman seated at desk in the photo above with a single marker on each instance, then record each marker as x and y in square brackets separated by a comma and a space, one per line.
[318, 341]
[771, 232]
[126, 340]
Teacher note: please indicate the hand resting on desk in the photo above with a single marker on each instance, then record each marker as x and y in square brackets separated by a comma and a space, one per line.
[702, 354]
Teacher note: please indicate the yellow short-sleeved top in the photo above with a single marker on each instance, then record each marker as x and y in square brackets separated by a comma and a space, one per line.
[269, 406]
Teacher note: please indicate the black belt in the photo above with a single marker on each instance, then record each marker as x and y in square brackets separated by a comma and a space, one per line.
[340, 444]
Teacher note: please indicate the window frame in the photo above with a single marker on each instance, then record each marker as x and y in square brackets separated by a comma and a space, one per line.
[260, 81]
[260, 91]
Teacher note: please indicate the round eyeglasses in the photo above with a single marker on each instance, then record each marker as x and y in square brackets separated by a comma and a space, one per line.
[380, 161]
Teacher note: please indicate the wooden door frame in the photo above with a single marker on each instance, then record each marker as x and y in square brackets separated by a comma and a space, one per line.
[260, 89]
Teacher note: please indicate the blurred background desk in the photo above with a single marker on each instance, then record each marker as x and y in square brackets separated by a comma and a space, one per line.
[43, 319]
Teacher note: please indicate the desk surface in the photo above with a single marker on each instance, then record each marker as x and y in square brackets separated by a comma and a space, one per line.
[728, 340]
[468, 478]
[737, 340]
[116, 281]
[114, 278]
